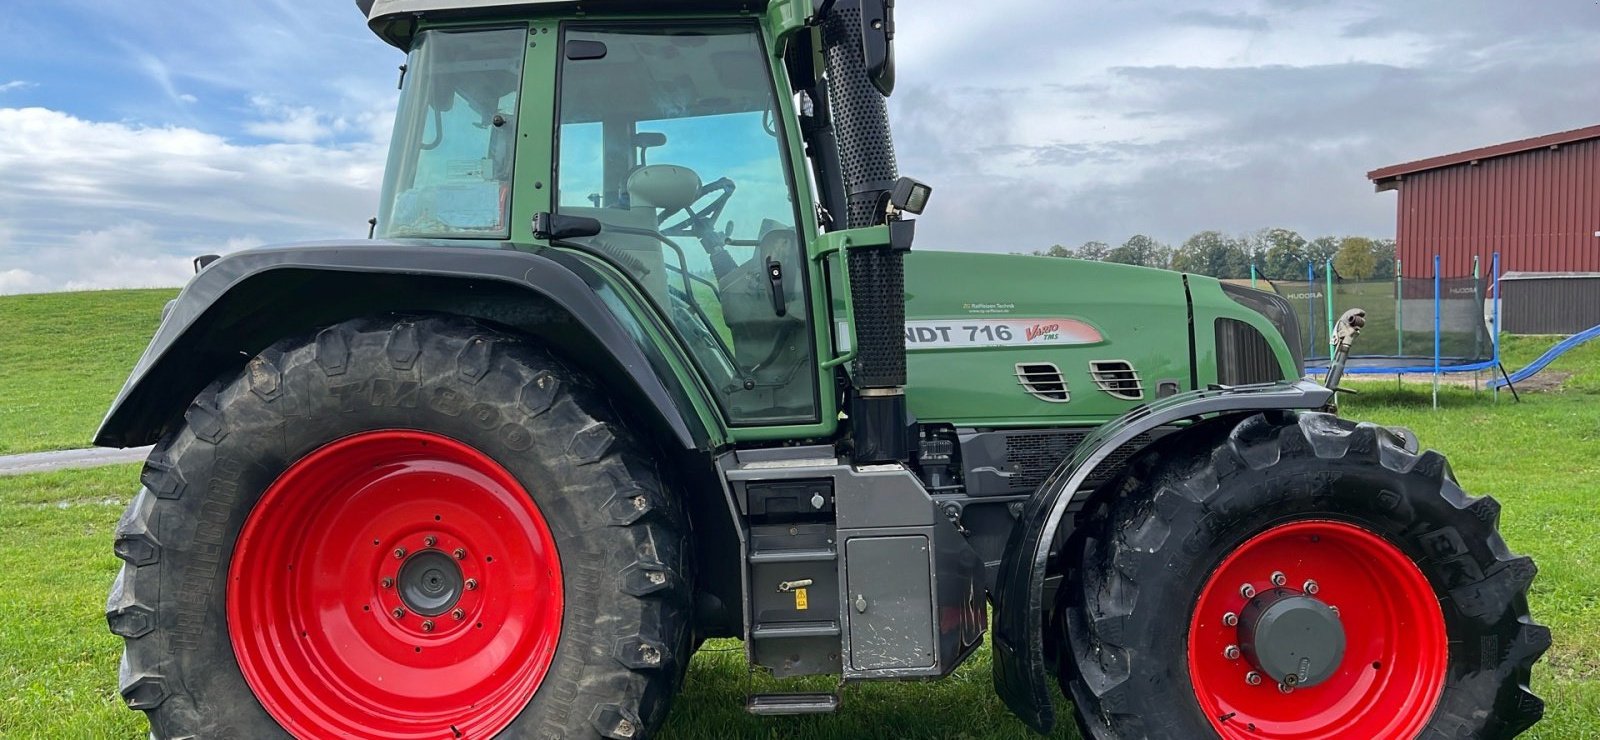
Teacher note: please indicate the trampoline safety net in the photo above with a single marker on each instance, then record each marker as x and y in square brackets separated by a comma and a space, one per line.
[1399, 335]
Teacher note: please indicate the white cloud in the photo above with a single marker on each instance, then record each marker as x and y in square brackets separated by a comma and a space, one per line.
[124, 256]
[95, 204]
[17, 280]
[295, 124]
[6, 87]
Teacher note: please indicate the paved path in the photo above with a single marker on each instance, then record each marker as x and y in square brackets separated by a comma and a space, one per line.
[94, 457]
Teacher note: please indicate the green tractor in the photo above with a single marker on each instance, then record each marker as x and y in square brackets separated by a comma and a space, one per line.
[641, 354]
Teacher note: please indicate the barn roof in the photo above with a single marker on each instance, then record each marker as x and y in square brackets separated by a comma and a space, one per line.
[1399, 171]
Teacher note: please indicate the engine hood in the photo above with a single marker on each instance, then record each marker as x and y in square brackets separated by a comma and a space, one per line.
[973, 319]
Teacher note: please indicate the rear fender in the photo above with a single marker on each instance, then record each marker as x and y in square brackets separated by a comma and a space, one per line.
[1020, 672]
[242, 303]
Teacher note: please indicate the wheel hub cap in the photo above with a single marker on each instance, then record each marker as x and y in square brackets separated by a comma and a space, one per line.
[430, 583]
[1293, 638]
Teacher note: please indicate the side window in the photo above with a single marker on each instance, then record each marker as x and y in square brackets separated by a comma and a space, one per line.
[669, 138]
[450, 160]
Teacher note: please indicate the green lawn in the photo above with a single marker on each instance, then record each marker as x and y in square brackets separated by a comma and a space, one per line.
[62, 358]
[58, 663]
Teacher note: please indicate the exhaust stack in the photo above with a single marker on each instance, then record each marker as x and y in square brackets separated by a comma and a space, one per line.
[860, 114]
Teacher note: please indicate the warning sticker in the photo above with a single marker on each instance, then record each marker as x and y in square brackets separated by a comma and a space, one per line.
[927, 334]
[800, 601]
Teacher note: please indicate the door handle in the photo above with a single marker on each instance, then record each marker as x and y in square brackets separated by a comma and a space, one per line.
[775, 282]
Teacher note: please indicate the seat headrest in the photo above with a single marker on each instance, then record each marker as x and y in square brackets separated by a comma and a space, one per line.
[665, 186]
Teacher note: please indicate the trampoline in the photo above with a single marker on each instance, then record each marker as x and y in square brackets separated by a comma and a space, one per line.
[1433, 325]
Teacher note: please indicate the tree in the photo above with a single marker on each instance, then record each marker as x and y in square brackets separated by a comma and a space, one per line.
[1383, 255]
[1283, 254]
[1356, 259]
[1212, 253]
[1055, 250]
[1093, 250]
[1322, 249]
[1141, 250]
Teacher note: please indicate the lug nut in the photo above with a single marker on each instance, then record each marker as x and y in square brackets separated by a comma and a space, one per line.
[461, 553]
[458, 615]
[1311, 588]
[1230, 619]
[472, 584]
[1334, 609]
[429, 541]
[625, 729]
[1248, 591]
[1278, 578]
[398, 613]
[387, 583]
[427, 625]
[399, 552]
[1284, 688]
[1253, 678]
[1231, 652]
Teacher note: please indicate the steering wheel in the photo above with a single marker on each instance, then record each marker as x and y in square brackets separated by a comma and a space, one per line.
[700, 223]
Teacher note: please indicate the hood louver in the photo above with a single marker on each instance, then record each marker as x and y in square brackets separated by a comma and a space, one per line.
[1117, 378]
[1043, 380]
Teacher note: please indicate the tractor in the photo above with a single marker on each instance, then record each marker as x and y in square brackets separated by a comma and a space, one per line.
[639, 353]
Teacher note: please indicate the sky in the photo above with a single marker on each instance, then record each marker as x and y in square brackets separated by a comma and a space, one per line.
[132, 140]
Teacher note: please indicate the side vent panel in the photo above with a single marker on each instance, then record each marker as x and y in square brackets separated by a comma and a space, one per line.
[1117, 378]
[1043, 380]
[1243, 355]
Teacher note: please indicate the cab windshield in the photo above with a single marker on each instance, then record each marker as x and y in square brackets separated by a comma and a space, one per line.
[669, 136]
[450, 159]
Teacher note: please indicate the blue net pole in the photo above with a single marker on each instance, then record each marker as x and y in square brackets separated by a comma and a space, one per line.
[1252, 274]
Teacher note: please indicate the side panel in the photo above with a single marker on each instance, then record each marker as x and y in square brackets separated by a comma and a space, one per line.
[242, 303]
[1020, 673]
[972, 318]
[893, 628]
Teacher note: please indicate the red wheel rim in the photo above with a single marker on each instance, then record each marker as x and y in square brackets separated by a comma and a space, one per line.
[1392, 672]
[316, 578]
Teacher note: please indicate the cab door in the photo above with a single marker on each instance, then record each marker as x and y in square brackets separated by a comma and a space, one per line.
[671, 137]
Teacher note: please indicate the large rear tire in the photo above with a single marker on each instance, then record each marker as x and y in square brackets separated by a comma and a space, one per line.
[402, 528]
[1297, 576]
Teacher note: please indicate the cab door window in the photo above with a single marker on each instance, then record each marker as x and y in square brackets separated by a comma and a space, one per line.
[669, 137]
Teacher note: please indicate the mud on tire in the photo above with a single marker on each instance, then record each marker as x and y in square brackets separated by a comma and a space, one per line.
[1169, 521]
[624, 632]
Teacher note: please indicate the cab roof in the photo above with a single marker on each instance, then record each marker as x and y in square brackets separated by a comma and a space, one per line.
[391, 19]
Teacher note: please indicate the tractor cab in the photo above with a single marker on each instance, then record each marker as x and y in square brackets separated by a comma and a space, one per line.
[670, 153]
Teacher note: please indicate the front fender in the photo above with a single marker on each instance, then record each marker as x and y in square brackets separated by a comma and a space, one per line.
[241, 303]
[1020, 674]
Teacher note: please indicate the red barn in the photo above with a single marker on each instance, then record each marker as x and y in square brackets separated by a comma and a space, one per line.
[1535, 201]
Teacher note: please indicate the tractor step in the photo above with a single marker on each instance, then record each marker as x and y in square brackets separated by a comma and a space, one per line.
[791, 630]
[770, 705]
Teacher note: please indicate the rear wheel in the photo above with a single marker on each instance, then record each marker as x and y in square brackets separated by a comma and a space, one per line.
[1297, 577]
[402, 529]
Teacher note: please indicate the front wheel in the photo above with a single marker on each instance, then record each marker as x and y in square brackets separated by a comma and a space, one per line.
[1297, 577]
[402, 528]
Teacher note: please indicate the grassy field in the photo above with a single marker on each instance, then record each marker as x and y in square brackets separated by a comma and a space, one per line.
[58, 663]
[62, 358]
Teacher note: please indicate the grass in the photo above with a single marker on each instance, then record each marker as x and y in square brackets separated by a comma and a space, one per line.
[63, 356]
[58, 663]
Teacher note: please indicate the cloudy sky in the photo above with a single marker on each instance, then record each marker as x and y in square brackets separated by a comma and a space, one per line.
[133, 139]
